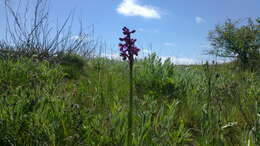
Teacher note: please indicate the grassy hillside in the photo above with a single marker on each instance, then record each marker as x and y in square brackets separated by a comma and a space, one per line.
[84, 102]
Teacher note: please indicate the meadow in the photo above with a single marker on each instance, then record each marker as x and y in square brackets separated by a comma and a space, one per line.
[82, 101]
[56, 89]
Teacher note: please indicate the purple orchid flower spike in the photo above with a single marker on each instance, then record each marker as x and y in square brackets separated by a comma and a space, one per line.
[128, 49]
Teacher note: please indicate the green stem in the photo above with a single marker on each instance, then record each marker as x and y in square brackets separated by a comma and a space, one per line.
[257, 123]
[130, 113]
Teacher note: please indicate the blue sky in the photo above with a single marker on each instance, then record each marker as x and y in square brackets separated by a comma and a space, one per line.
[171, 28]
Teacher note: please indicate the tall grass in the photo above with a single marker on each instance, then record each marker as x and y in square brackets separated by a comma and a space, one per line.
[51, 95]
[40, 105]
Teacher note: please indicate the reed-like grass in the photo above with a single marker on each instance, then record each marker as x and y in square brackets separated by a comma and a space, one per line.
[40, 105]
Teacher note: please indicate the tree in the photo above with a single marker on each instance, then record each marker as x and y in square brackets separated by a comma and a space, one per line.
[238, 40]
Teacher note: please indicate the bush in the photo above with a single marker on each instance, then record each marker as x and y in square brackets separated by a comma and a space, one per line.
[156, 78]
[26, 73]
[72, 64]
[26, 100]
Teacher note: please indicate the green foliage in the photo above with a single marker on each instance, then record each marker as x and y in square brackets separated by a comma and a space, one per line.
[233, 39]
[26, 73]
[156, 78]
[49, 95]
[210, 105]
[73, 65]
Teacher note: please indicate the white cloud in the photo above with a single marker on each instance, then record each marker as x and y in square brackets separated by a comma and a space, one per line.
[199, 20]
[180, 60]
[76, 37]
[168, 44]
[133, 8]
[175, 60]
[115, 56]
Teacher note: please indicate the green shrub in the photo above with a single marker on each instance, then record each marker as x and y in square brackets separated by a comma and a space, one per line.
[156, 78]
[73, 65]
[26, 73]
[39, 107]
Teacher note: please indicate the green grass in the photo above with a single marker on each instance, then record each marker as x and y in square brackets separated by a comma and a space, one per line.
[45, 103]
